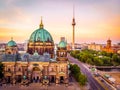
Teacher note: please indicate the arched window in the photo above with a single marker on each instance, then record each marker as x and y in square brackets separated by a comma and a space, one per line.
[9, 70]
[62, 70]
[19, 69]
[52, 70]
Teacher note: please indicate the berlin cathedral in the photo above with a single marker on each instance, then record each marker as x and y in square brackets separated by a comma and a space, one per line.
[40, 63]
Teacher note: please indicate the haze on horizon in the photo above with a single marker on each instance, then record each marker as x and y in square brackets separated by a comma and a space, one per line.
[96, 20]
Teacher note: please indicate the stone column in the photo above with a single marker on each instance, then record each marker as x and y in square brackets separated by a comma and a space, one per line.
[57, 81]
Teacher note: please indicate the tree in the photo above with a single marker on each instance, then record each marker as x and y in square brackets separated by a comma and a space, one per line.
[74, 53]
[99, 58]
[1, 70]
[103, 53]
[115, 57]
[77, 76]
[98, 61]
[106, 61]
[82, 79]
[74, 69]
[89, 61]
[109, 54]
[119, 60]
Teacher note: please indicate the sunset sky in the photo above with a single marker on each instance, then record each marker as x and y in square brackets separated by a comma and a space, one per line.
[96, 20]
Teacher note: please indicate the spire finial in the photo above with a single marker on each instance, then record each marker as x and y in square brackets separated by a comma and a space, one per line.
[73, 11]
[109, 38]
[41, 24]
[11, 38]
[73, 21]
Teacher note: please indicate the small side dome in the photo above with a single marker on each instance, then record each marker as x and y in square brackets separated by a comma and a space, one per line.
[62, 44]
[11, 43]
[35, 53]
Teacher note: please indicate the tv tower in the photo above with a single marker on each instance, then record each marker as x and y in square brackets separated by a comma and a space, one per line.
[73, 25]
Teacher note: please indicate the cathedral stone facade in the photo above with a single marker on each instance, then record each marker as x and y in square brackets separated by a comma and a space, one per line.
[39, 64]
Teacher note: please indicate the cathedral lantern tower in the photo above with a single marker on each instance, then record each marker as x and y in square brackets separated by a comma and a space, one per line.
[62, 51]
[63, 62]
[11, 47]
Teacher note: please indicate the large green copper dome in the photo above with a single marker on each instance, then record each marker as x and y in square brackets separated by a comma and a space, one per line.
[41, 35]
[11, 43]
[62, 44]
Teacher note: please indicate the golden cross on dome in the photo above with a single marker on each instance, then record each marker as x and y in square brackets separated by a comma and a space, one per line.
[11, 38]
[41, 24]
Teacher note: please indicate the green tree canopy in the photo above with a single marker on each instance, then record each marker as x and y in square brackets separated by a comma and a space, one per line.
[99, 58]
[82, 79]
[75, 71]
[1, 70]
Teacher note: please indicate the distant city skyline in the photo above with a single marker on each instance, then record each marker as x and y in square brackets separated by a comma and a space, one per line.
[96, 20]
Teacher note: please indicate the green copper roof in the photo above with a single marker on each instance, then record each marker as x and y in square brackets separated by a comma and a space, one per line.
[41, 35]
[62, 44]
[11, 43]
[35, 53]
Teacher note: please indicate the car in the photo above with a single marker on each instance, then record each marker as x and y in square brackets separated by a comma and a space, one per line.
[101, 79]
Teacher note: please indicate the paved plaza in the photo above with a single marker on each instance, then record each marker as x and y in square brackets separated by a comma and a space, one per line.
[34, 86]
[73, 85]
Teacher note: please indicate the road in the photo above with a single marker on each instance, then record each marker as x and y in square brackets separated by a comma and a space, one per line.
[94, 85]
